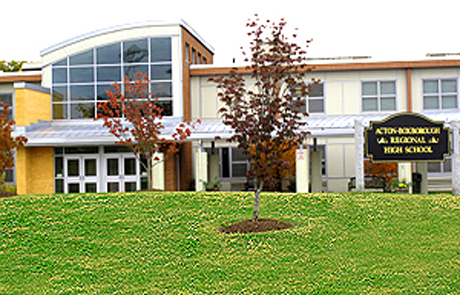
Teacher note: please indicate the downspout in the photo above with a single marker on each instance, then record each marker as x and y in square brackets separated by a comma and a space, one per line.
[409, 89]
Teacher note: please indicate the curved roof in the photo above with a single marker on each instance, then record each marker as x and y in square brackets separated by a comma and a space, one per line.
[144, 24]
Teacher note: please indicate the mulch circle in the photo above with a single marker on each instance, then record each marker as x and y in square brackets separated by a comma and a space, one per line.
[261, 225]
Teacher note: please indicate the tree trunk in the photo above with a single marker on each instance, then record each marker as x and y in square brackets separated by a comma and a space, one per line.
[259, 187]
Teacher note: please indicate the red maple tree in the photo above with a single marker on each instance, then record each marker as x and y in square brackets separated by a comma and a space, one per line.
[267, 118]
[134, 117]
[8, 143]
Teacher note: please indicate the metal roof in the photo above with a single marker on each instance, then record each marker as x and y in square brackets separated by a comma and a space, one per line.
[93, 133]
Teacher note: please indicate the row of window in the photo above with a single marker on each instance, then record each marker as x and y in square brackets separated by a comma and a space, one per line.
[193, 56]
[79, 82]
[380, 96]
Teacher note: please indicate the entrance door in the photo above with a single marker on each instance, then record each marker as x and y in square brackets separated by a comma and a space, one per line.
[81, 172]
[121, 173]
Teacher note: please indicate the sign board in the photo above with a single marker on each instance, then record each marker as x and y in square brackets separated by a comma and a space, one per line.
[407, 137]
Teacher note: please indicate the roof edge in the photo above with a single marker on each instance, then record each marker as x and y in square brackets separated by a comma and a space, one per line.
[126, 26]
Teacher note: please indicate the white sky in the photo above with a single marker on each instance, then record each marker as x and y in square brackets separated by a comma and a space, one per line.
[390, 30]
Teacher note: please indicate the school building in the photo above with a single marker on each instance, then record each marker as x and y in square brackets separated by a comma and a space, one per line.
[55, 101]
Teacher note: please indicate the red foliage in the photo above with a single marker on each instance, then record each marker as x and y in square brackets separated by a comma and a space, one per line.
[389, 171]
[8, 143]
[267, 121]
[135, 119]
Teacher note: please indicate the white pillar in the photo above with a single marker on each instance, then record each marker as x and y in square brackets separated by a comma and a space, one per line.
[455, 128]
[302, 169]
[158, 171]
[201, 169]
[405, 173]
[359, 156]
[316, 172]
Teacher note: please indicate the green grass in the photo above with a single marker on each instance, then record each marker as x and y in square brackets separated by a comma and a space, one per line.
[169, 243]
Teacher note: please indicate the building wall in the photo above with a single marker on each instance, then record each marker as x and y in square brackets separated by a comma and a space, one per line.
[31, 104]
[35, 170]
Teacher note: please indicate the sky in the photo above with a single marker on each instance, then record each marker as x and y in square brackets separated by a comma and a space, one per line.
[386, 30]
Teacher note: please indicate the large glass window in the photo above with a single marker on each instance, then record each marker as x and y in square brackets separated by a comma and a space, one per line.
[7, 98]
[440, 94]
[378, 96]
[80, 80]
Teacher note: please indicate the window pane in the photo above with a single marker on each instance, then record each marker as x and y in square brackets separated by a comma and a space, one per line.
[132, 70]
[7, 98]
[387, 88]
[60, 93]
[130, 166]
[90, 167]
[369, 88]
[82, 110]
[239, 170]
[162, 89]
[62, 62]
[59, 75]
[113, 187]
[449, 102]
[388, 104]
[434, 167]
[9, 175]
[102, 93]
[430, 102]
[59, 183]
[449, 86]
[225, 162]
[82, 92]
[161, 49]
[315, 106]
[109, 74]
[74, 188]
[81, 150]
[59, 167]
[161, 72]
[81, 75]
[109, 54]
[90, 187]
[370, 104]
[166, 105]
[60, 111]
[84, 58]
[112, 167]
[135, 51]
[73, 167]
[447, 166]
[316, 90]
[237, 155]
[430, 86]
[130, 187]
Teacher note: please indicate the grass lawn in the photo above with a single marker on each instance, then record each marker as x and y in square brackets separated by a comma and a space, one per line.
[150, 242]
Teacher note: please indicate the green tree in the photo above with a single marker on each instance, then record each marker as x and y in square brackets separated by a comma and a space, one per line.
[11, 66]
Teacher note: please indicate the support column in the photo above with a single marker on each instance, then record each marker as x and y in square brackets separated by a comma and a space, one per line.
[201, 169]
[455, 128]
[316, 172]
[158, 171]
[214, 169]
[405, 174]
[359, 158]
[422, 168]
[301, 168]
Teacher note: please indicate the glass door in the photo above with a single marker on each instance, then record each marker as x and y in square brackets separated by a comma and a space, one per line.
[121, 173]
[81, 174]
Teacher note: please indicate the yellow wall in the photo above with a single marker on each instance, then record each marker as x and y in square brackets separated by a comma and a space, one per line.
[34, 170]
[31, 106]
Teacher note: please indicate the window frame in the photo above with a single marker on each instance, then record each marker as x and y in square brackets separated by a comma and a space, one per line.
[439, 94]
[379, 96]
[305, 100]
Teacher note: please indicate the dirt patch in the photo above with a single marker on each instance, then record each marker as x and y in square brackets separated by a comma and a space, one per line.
[261, 225]
[7, 194]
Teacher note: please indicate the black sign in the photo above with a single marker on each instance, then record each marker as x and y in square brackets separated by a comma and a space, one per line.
[407, 137]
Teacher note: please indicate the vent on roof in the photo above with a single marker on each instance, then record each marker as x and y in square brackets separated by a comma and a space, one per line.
[442, 54]
[340, 58]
